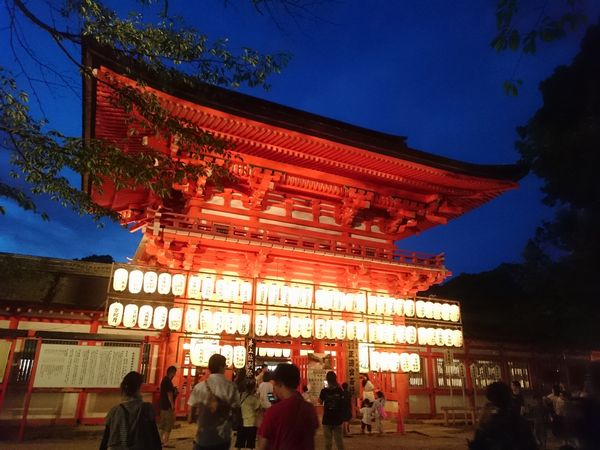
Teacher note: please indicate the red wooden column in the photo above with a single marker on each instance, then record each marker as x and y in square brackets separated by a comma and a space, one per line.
[402, 399]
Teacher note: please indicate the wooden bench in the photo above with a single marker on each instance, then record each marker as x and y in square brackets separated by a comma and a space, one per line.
[468, 412]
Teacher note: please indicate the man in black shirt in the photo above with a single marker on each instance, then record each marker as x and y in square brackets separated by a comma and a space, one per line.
[517, 400]
[333, 399]
[167, 406]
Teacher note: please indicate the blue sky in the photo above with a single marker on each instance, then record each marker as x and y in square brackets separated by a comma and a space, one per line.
[420, 69]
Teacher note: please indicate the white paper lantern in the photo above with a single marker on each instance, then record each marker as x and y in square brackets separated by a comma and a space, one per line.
[150, 282]
[178, 284]
[363, 358]
[194, 288]
[273, 298]
[360, 302]
[115, 314]
[260, 325]
[277, 353]
[372, 304]
[437, 311]
[430, 336]
[306, 298]
[220, 287]
[445, 311]
[411, 335]
[409, 308]
[136, 281]
[120, 279]
[231, 322]
[192, 317]
[164, 283]
[239, 356]
[246, 292]
[361, 331]
[389, 306]
[340, 330]
[145, 317]
[349, 302]
[130, 315]
[448, 338]
[286, 353]
[324, 299]
[405, 362]
[457, 337]
[295, 327]
[420, 309]
[373, 329]
[330, 329]
[206, 319]
[232, 290]
[208, 285]
[272, 325]
[439, 337]
[400, 334]
[196, 352]
[161, 314]
[429, 309]
[395, 363]
[415, 362]
[381, 301]
[422, 335]
[262, 351]
[399, 307]
[175, 318]
[284, 295]
[244, 324]
[320, 329]
[454, 313]
[227, 352]
[283, 327]
[218, 322]
[262, 293]
[294, 296]
[351, 330]
[307, 327]
[339, 301]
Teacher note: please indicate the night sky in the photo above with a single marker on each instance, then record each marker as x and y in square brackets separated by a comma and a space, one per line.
[419, 69]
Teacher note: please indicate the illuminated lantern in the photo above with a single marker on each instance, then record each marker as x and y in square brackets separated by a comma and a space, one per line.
[233, 293]
[115, 314]
[145, 317]
[448, 338]
[194, 287]
[192, 317]
[161, 314]
[351, 330]
[307, 327]
[404, 362]
[283, 328]
[273, 294]
[164, 283]
[415, 362]
[372, 304]
[437, 311]
[320, 329]
[196, 352]
[260, 325]
[319, 298]
[270, 352]
[439, 337]
[330, 329]
[243, 324]
[395, 366]
[286, 353]
[150, 282]
[262, 351]
[120, 279]
[340, 330]
[294, 296]
[381, 332]
[246, 292]
[284, 295]
[130, 316]
[373, 328]
[399, 307]
[363, 358]
[220, 287]
[277, 353]
[390, 334]
[262, 293]
[178, 284]
[227, 352]
[445, 311]
[454, 313]
[409, 308]
[231, 321]
[411, 335]
[239, 356]
[136, 281]
[360, 302]
[381, 305]
[389, 306]
[208, 286]
[361, 331]
[295, 327]
[422, 336]
[430, 336]
[306, 297]
[349, 302]
[327, 300]
[272, 325]
[218, 322]
[457, 337]
[206, 318]
[339, 300]
[429, 310]
[420, 309]
[400, 334]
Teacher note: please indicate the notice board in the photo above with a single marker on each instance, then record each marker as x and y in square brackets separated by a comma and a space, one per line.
[84, 366]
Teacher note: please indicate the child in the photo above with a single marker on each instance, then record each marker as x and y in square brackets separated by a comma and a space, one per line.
[367, 411]
[379, 411]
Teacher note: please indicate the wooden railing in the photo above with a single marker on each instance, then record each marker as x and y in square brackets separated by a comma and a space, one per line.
[333, 246]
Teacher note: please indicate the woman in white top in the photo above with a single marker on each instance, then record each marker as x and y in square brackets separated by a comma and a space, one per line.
[368, 389]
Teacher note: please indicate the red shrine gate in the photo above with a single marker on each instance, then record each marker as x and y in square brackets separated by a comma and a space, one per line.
[314, 201]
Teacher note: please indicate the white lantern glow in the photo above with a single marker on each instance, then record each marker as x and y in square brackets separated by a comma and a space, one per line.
[381, 305]
[400, 334]
[351, 330]
[218, 322]
[145, 317]
[206, 318]
[448, 338]
[395, 366]
[294, 296]
[389, 306]
[130, 316]
[437, 311]
[115, 314]
[340, 330]
[283, 327]
[457, 337]
[339, 301]
[307, 297]
[405, 362]
[439, 337]
[411, 335]
[286, 353]
[232, 290]
[272, 325]
[178, 284]
[330, 329]
[194, 289]
[349, 302]
[227, 352]
[278, 353]
[327, 300]
[360, 302]
[273, 294]
[429, 309]
[120, 279]
[136, 281]
[260, 325]
[420, 309]
[422, 335]
[161, 314]
[372, 304]
[307, 327]
[320, 329]
[415, 362]
[262, 351]
[409, 308]
[208, 287]
[164, 283]
[284, 295]
[361, 331]
[270, 352]
[150, 282]
[220, 288]
[231, 321]
[239, 356]
[244, 324]
[399, 306]
[454, 313]
[262, 293]
[295, 327]
[430, 336]
[246, 292]
[196, 352]
[192, 317]
[175, 318]
[445, 311]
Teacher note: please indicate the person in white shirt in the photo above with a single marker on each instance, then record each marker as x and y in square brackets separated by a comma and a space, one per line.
[215, 397]
[264, 389]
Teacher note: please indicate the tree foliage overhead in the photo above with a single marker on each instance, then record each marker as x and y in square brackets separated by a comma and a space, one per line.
[166, 46]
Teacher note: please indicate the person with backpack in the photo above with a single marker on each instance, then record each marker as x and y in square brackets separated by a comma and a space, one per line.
[249, 403]
[130, 425]
[333, 399]
[379, 412]
[215, 399]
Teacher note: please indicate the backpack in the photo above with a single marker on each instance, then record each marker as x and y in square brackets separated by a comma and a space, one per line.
[216, 405]
[142, 432]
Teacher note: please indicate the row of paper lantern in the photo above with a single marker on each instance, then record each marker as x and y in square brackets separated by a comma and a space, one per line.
[198, 286]
[201, 350]
[395, 362]
[274, 352]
